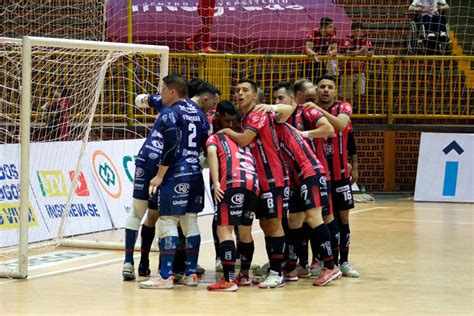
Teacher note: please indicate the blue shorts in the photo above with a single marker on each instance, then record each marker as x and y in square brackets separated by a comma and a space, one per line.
[177, 196]
[141, 183]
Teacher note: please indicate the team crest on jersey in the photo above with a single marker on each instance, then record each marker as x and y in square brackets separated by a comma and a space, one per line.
[322, 180]
[139, 172]
[157, 144]
[191, 160]
[255, 119]
[286, 192]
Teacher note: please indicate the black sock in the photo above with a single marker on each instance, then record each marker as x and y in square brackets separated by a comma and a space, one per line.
[215, 238]
[147, 234]
[294, 240]
[227, 254]
[246, 256]
[335, 239]
[268, 246]
[303, 252]
[179, 265]
[321, 243]
[345, 242]
[278, 253]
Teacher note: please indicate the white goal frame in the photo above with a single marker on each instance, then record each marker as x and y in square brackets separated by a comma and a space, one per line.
[27, 43]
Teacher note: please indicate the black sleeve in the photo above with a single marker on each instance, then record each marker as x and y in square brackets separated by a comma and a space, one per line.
[351, 144]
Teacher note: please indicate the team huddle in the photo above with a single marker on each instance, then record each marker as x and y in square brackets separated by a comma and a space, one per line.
[288, 164]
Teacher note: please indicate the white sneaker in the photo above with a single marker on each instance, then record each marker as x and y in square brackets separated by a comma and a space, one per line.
[348, 271]
[157, 282]
[128, 272]
[273, 280]
[219, 267]
[190, 280]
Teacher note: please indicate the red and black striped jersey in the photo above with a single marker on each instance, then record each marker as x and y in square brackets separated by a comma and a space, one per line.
[236, 164]
[265, 147]
[299, 157]
[336, 146]
[305, 120]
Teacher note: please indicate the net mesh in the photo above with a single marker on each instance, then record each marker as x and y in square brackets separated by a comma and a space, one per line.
[84, 133]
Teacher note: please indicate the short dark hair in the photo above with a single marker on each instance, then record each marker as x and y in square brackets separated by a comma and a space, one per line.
[327, 77]
[286, 85]
[325, 21]
[252, 83]
[356, 25]
[177, 83]
[226, 107]
[206, 87]
[193, 84]
[298, 85]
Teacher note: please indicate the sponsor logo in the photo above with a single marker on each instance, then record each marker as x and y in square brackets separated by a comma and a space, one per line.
[236, 213]
[238, 198]
[191, 160]
[82, 189]
[8, 171]
[343, 189]
[157, 144]
[322, 180]
[107, 174]
[52, 183]
[75, 210]
[139, 172]
[153, 156]
[10, 215]
[9, 192]
[180, 202]
[182, 188]
[286, 192]
[126, 160]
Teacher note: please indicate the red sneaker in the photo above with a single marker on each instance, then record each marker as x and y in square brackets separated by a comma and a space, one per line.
[243, 280]
[327, 275]
[223, 286]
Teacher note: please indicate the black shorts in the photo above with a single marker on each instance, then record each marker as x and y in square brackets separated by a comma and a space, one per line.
[273, 203]
[341, 192]
[236, 208]
[312, 193]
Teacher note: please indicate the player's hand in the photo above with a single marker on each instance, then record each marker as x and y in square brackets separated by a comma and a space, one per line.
[262, 108]
[141, 101]
[218, 193]
[354, 175]
[224, 131]
[154, 184]
[311, 105]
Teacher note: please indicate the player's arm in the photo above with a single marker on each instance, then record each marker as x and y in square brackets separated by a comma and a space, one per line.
[149, 101]
[415, 7]
[339, 122]
[284, 111]
[352, 150]
[310, 49]
[323, 129]
[242, 139]
[214, 170]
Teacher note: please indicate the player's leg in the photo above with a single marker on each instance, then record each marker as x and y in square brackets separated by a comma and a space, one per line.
[343, 202]
[273, 204]
[191, 231]
[294, 238]
[332, 223]
[147, 235]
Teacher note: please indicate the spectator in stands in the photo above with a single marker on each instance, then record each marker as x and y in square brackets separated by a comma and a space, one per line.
[318, 42]
[433, 20]
[206, 10]
[357, 44]
[56, 115]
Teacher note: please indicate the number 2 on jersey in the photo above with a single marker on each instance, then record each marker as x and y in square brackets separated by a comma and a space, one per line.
[191, 137]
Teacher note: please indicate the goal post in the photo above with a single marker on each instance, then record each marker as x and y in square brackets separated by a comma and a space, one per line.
[96, 76]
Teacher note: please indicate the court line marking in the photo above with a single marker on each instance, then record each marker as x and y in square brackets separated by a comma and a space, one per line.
[412, 220]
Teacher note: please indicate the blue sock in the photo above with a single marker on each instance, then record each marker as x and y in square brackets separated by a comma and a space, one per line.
[167, 252]
[192, 253]
[130, 239]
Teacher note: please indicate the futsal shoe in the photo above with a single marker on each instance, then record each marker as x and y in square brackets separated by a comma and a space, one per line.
[157, 282]
[303, 272]
[200, 270]
[143, 270]
[291, 275]
[189, 280]
[273, 280]
[128, 272]
[327, 275]
[348, 271]
[208, 50]
[223, 286]
[316, 267]
[243, 280]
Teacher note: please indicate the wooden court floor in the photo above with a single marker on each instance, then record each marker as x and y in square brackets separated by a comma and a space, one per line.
[414, 258]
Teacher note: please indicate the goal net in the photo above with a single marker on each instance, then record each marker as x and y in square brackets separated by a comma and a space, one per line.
[68, 136]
